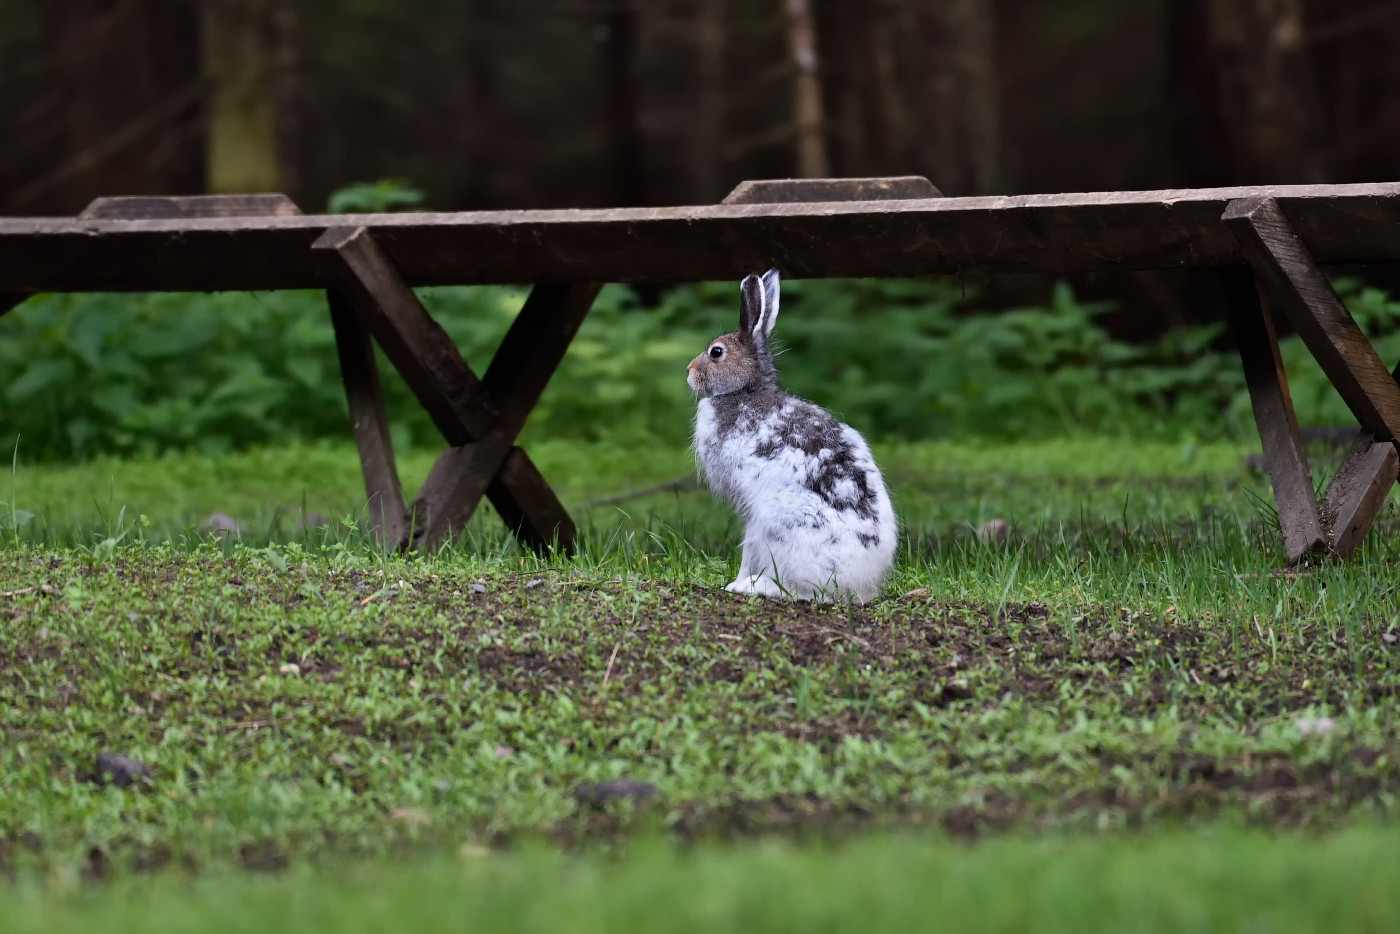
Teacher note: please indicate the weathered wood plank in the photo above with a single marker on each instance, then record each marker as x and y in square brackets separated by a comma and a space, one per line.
[164, 207]
[417, 345]
[528, 507]
[1295, 285]
[370, 423]
[534, 346]
[458, 480]
[1284, 455]
[521, 368]
[1358, 492]
[810, 190]
[1027, 233]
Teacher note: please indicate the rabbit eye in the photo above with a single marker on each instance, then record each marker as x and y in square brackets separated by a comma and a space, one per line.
[716, 352]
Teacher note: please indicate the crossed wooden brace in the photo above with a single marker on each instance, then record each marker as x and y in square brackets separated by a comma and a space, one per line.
[480, 419]
[1289, 279]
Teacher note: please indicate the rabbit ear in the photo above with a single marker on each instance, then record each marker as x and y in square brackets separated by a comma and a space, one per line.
[751, 301]
[771, 283]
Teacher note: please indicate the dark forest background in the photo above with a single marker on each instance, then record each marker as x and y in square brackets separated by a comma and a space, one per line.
[553, 103]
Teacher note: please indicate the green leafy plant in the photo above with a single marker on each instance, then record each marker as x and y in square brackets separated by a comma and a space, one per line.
[381, 197]
[86, 375]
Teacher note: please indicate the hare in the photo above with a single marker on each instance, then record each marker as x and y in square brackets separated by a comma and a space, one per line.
[818, 524]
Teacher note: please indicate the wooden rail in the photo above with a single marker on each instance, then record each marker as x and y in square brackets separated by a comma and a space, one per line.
[1028, 233]
[808, 229]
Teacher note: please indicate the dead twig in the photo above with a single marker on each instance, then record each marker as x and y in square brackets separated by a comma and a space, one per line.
[679, 485]
[608, 673]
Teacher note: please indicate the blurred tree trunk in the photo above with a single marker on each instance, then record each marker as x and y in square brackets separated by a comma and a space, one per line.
[479, 138]
[1268, 94]
[240, 64]
[961, 140]
[895, 123]
[1200, 138]
[808, 120]
[940, 134]
[710, 98]
[123, 111]
[972, 28]
[626, 168]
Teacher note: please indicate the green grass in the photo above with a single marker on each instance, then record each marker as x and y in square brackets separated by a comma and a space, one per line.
[273, 492]
[1221, 881]
[1129, 659]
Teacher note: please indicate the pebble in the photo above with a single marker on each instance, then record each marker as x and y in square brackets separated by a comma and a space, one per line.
[413, 817]
[619, 789]
[1388, 638]
[1315, 726]
[503, 752]
[121, 771]
[478, 588]
[221, 523]
[993, 530]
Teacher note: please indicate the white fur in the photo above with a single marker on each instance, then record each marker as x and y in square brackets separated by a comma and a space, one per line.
[795, 544]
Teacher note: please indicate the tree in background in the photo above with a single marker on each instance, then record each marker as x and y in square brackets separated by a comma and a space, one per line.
[120, 109]
[1268, 96]
[240, 53]
[809, 130]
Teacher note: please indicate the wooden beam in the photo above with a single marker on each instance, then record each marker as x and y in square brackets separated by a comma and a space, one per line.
[1294, 284]
[417, 345]
[1282, 445]
[1358, 492]
[1059, 234]
[810, 190]
[534, 346]
[527, 358]
[479, 419]
[528, 507]
[370, 423]
[165, 207]
[454, 487]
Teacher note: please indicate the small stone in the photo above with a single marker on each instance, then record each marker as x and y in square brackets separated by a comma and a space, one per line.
[412, 817]
[920, 592]
[534, 583]
[953, 691]
[44, 633]
[290, 669]
[1388, 638]
[442, 785]
[221, 523]
[503, 752]
[619, 789]
[121, 771]
[1315, 726]
[993, 530]
[133, 616]
[478, 588]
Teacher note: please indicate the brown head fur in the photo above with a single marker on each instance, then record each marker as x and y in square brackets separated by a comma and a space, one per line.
[742, 359]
